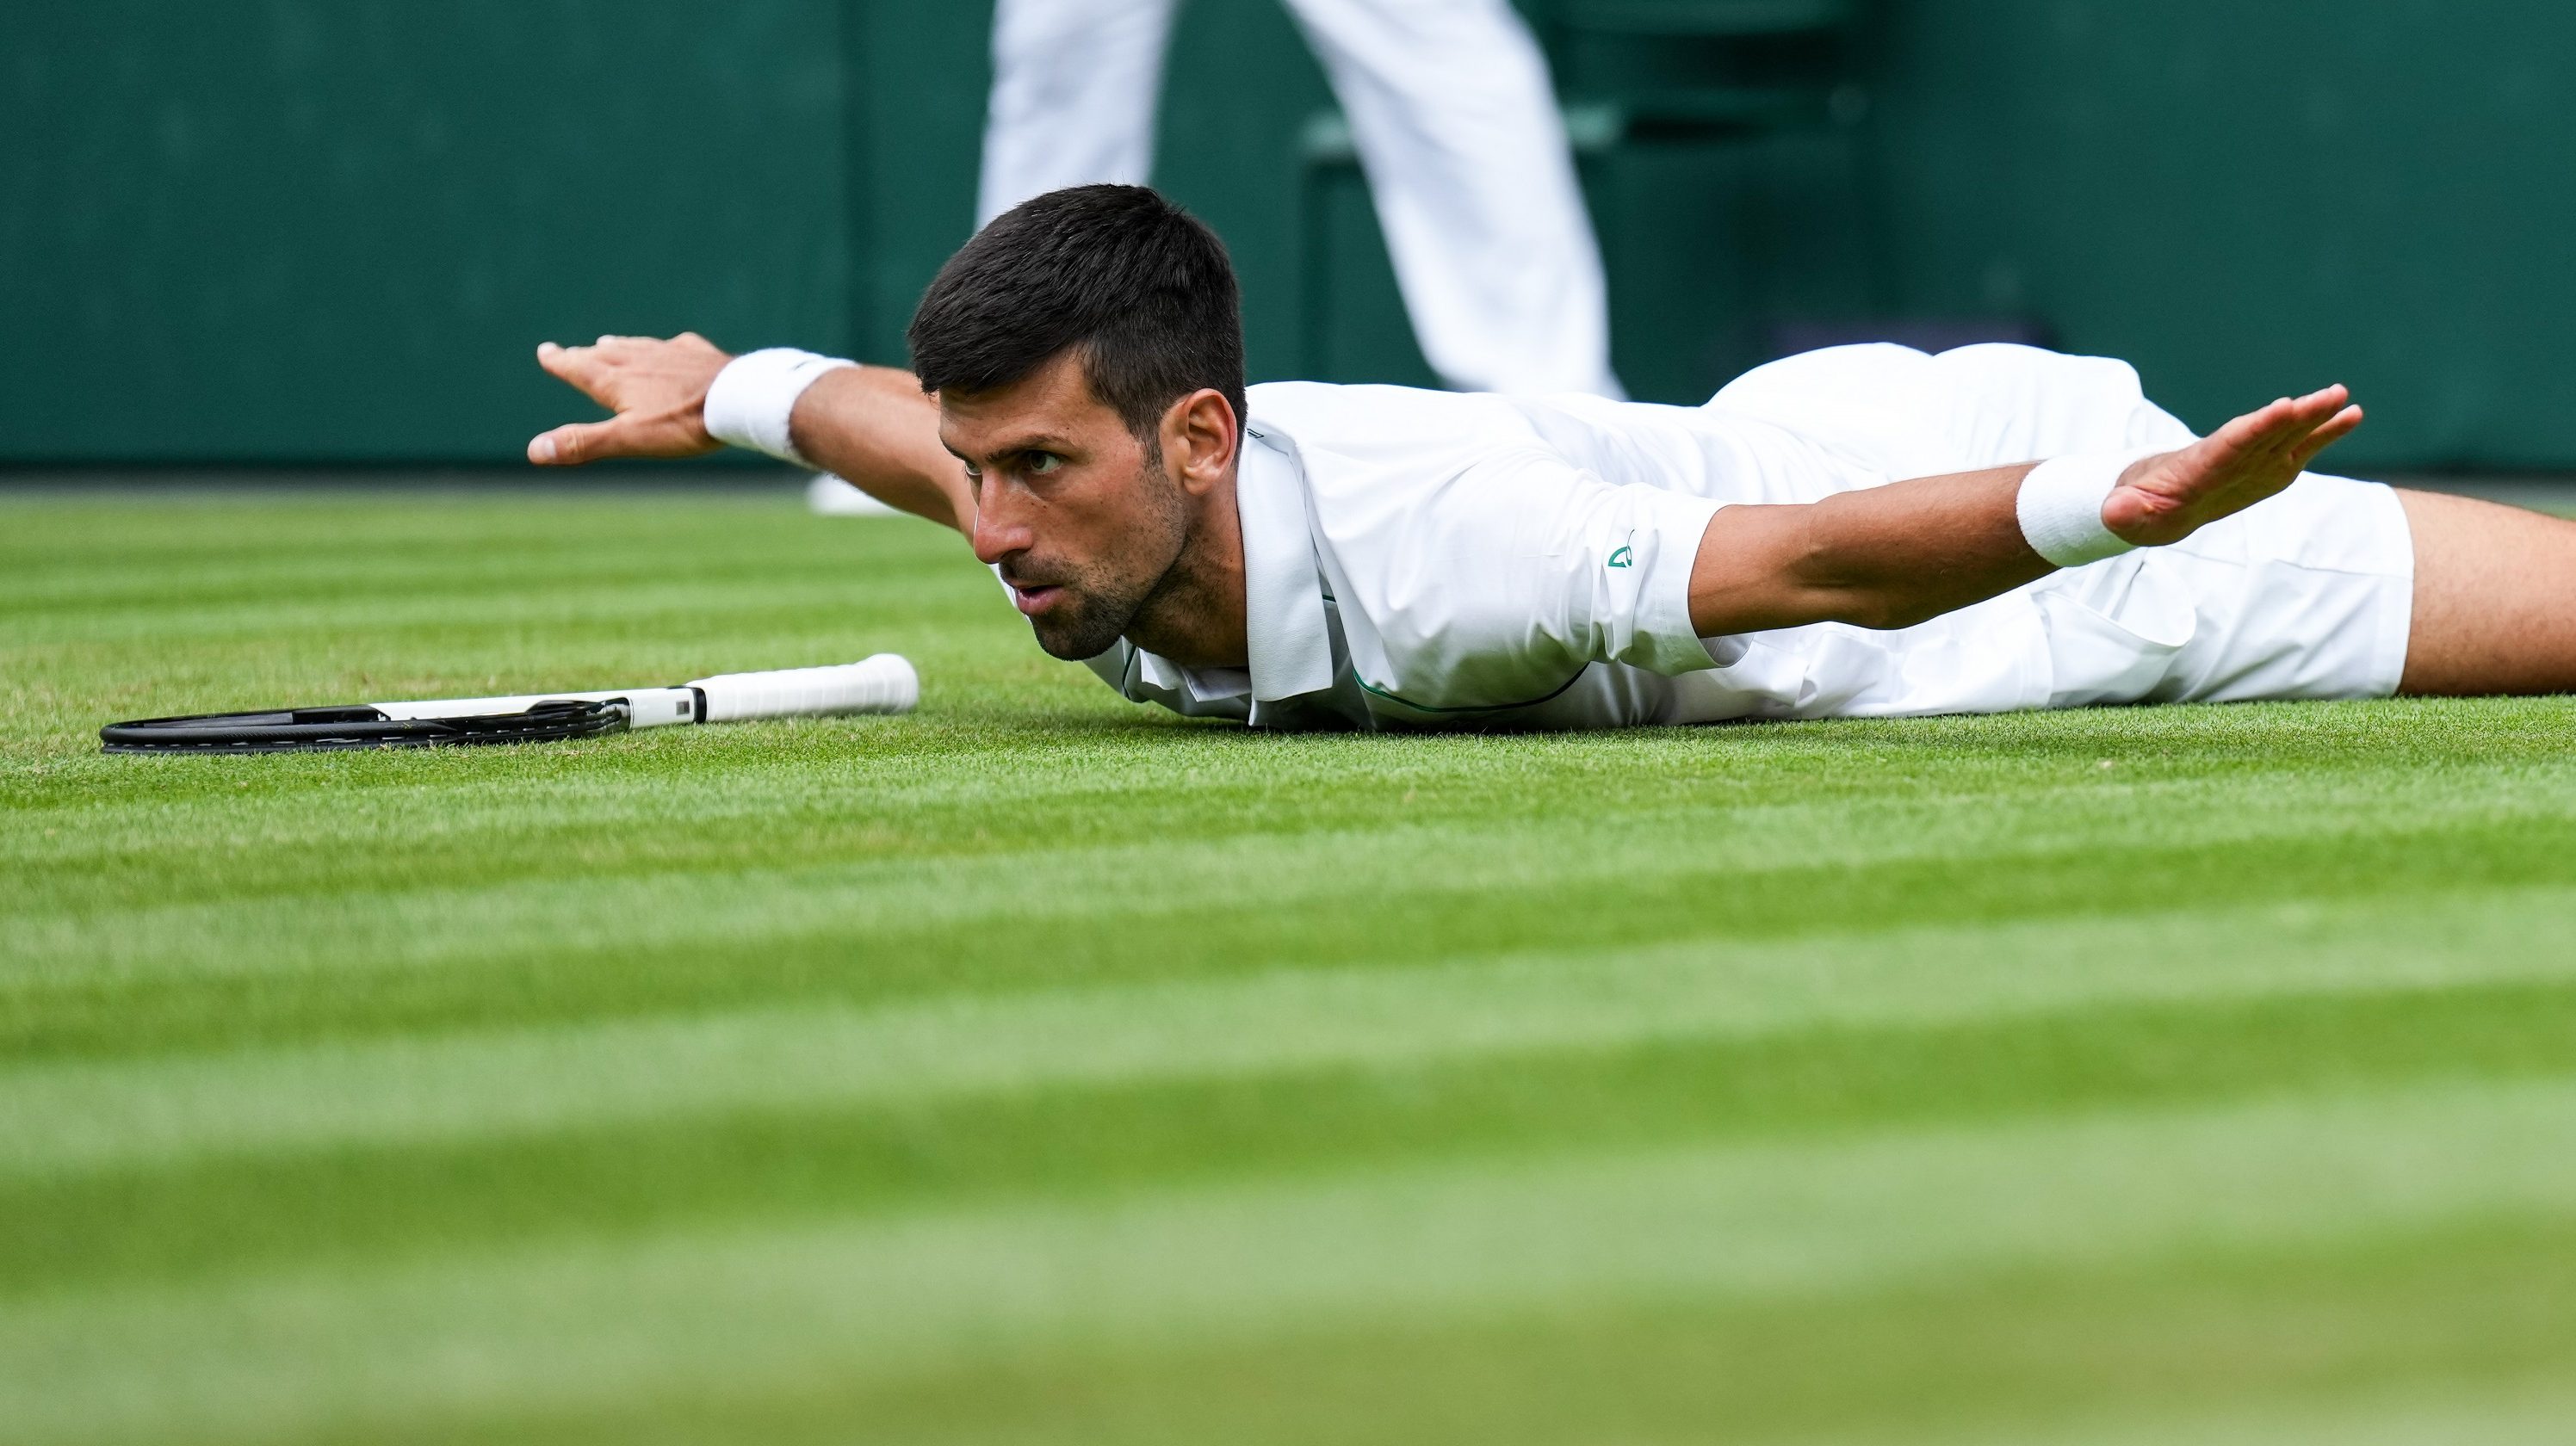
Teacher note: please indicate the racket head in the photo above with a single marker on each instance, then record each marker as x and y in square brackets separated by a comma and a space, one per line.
[359, 725]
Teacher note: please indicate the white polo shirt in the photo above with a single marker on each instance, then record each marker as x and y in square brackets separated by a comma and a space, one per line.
[1419, 559]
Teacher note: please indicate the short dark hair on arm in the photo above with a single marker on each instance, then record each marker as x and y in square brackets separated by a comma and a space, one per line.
[1142, 286]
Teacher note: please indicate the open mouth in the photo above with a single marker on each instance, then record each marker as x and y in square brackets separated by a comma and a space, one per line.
[1035, 600]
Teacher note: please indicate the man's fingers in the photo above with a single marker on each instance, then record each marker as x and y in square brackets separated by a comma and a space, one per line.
[2293, 434]
[573, 444]
[2255, 430]
[2276, 442]
[2282, 426]
[2334, 429]
[2314, 410]
[2317, 406]
[579, 365]
[655, 388]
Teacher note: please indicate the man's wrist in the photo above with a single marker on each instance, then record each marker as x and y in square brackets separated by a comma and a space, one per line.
[752, 400]
[2060, 507]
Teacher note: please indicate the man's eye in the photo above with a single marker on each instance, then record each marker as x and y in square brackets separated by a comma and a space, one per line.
[1041, 463]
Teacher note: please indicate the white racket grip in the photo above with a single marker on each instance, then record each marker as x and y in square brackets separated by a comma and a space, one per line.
[885, 683]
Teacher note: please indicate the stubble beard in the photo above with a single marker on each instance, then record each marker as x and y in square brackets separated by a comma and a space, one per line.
[1091, 618]
[1100, 606]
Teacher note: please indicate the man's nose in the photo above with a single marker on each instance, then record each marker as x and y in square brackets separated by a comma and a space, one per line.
[998, 532]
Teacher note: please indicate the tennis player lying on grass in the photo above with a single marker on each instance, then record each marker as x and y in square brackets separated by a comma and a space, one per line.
[1300, 555]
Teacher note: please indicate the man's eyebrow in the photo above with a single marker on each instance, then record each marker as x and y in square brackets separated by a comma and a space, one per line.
[1035, 442]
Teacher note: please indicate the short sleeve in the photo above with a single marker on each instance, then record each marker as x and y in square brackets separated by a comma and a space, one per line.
[1506, 578]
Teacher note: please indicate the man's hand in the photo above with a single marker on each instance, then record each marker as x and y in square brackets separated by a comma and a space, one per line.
[658, 389]
[2166, 498]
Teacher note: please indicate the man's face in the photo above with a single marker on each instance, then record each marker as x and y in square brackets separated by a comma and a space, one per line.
[1082, 521]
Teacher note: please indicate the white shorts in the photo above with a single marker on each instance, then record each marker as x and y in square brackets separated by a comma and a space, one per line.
[2305, 595]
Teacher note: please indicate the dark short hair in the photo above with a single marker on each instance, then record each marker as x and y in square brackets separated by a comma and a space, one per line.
[1140, 285]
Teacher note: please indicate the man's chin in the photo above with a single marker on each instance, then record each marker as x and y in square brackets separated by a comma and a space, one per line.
[1077, 638]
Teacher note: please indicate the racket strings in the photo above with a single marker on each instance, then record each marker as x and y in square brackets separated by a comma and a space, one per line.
[308, 729]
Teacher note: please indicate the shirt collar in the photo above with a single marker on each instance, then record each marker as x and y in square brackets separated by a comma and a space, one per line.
[1285, 633]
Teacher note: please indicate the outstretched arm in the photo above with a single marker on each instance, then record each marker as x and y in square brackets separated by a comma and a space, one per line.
[1893, 556]
[870, 425]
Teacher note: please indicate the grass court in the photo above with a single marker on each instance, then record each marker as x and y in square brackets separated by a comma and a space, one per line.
[1041, 1069]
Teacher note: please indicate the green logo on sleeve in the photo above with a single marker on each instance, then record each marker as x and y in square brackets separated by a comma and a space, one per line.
[1623, 558]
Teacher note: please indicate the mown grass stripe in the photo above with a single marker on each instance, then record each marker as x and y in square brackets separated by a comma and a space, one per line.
[823, 1158]
[1166, 814]
[2527, 1417]
[2472, 1324]
[886, 1299]
[711, 948]
[75, 1117]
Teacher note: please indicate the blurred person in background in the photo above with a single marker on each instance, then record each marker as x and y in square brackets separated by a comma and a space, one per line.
[1457, 130]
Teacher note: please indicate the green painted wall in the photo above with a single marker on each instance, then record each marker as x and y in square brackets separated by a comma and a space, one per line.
[331, 230]
[2250, 198]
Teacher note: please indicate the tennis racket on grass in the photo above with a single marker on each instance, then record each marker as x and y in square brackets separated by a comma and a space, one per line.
[882, 684]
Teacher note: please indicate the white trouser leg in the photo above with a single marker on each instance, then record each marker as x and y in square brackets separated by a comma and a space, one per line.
[1457, 128]
[1901, 413]
[1075, 84]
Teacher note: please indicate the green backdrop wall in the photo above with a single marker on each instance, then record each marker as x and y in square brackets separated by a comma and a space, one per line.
[2250, 198]
[332, 230]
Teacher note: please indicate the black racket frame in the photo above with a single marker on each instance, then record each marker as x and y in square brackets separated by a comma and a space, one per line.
[357, 725]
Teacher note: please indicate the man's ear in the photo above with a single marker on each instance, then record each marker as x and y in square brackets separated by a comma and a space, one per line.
[1200, 434]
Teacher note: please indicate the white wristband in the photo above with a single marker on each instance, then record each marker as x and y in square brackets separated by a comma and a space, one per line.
[2060, 507]
[751, 399]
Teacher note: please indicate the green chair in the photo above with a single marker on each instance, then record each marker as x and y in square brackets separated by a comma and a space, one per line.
[1638, 78]
[1661, 71]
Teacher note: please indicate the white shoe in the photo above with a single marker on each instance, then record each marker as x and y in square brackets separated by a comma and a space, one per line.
[829, 496]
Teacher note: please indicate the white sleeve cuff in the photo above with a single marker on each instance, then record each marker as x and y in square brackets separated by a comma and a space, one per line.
[1642, 586]
[752, 399]
[2060, 507]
